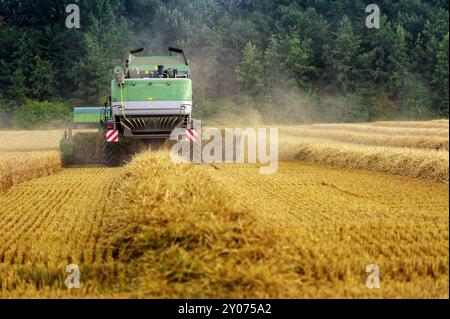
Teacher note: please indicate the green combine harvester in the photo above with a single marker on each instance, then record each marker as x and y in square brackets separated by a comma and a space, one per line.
[150, 96]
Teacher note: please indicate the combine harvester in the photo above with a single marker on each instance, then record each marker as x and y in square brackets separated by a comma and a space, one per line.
[150, 97]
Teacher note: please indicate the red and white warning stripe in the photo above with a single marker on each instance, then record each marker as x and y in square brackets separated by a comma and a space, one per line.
[112, 135]
[191, 135]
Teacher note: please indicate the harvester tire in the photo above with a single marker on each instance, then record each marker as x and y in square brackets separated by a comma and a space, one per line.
[112, 154]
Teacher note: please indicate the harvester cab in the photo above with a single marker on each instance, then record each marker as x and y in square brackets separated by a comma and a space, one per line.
[150, 96]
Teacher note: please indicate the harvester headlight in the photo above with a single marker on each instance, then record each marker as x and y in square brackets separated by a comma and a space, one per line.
[183, 109]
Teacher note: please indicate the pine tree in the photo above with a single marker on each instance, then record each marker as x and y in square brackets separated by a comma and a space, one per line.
[249, 72]
[300, 61]
[42, 80]
[290, 61]
[18, 90]
[345, 52]
[398, 61]
[441, 77]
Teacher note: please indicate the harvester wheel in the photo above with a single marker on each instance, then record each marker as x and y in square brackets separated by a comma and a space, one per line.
[112, 153]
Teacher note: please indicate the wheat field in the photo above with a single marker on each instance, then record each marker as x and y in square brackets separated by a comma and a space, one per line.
[33, 140]
[157, 229]
[16, 167]
[50, 222]
[368, 138]
[414, 149]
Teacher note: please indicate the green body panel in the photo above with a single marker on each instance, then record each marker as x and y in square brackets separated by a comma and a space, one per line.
[86, 114]
[86, 118]
[66, 147]
[153, 90]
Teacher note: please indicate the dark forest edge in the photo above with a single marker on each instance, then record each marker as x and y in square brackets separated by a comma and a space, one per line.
[283, 61]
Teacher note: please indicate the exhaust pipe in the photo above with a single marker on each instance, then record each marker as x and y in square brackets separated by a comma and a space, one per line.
[132, 52]
[180, 51]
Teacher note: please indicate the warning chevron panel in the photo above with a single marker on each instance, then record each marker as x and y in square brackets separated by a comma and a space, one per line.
[112, 135]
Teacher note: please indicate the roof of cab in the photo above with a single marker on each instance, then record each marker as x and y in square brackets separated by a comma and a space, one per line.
[156, 60]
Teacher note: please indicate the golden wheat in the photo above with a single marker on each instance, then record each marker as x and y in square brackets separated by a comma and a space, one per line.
[35, 140]
[159, 229]
[182, 230]
[426, 164]
[53, 221]
[210, 231]
[338, 221]
[369, 128]
[368, 138]
[16, 167]
[415, 124]
[191, 238]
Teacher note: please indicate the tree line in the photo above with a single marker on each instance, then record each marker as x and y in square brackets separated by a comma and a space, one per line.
[237, 48]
